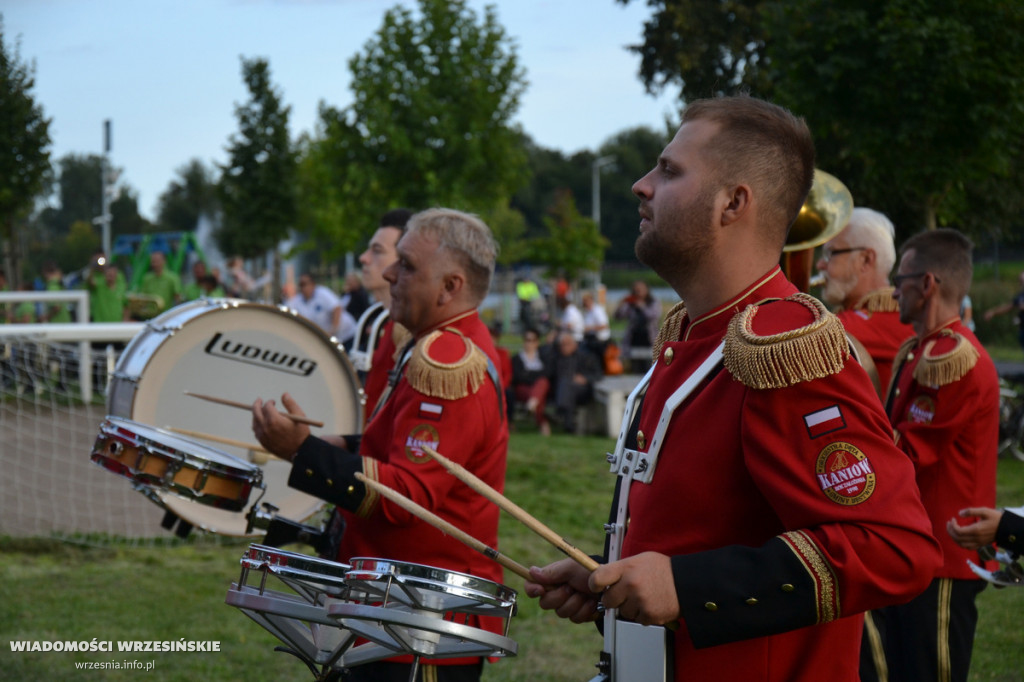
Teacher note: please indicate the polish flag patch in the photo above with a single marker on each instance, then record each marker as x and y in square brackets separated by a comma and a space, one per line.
[431, 411]
[824, 421]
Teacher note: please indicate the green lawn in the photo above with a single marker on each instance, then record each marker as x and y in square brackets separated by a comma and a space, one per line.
[52, 591]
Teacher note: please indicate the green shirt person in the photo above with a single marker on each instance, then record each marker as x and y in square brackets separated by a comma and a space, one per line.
[107, 295]
[57, 312]
[160, 283]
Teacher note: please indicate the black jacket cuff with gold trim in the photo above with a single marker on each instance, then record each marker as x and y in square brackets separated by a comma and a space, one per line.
[1010, 533]
[328, 472]
[735, 593]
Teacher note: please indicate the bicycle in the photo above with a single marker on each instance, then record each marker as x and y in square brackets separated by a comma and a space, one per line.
[1011, 417]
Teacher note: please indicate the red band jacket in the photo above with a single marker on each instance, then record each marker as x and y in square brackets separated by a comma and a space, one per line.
[944, 408]
[444, 399]
[786, 510]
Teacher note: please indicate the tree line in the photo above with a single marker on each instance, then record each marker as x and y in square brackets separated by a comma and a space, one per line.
[916, 106]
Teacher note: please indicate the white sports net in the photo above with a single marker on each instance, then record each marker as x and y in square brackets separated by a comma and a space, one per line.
[49, 486]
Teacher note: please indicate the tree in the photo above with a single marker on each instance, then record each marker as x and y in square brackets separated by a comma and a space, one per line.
[434, 97]
[573, 244]
[192, 194]
[705, 47]
[25, 141]
[257, 186]
[912, 104]
[917, 107]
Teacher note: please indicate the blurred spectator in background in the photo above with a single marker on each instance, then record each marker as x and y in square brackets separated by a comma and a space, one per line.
[596, 331]
[574, 372]
[355, 298]
[531, 303]
[194, 289]
[239, 283]
[317, 303]
[108, 290]
[54, 281]
[25, 312]
[967, 312]
[209, 287]
[570, 319]
[1015, 306]
[642, 312]
[161, 283]
[530, 382]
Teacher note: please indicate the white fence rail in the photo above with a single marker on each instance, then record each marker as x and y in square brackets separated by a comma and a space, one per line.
[83, 332]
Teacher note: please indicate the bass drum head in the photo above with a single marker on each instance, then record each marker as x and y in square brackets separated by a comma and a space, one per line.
[239, 351]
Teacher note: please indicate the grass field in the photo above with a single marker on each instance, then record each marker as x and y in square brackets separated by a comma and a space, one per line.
[53, 591]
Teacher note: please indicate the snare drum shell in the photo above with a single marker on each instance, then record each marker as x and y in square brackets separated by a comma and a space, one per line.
[240, 351]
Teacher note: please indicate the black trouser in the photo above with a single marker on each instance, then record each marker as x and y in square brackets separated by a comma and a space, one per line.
[931, 636]
[399, 672]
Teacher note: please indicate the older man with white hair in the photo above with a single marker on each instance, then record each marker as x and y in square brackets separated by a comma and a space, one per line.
[856, 264]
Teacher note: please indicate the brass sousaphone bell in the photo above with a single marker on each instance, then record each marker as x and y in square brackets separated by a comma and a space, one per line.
[824, 214]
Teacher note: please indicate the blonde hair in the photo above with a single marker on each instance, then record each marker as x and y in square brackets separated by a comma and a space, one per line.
[466, 238]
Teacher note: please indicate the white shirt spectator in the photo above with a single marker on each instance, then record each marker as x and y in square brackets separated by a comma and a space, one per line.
[317, 303]
[595, 319]
[572, 321]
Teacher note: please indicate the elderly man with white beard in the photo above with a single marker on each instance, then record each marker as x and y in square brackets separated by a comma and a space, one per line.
[856, 264]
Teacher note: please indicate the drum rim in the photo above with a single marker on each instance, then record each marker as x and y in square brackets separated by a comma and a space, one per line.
[368, 570]
[258, 557]
[148, 348]
[231, 465]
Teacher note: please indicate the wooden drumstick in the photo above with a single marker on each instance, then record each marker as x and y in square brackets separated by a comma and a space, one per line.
[436, 521]
[220, 439]
[512, 508]
[231, 403]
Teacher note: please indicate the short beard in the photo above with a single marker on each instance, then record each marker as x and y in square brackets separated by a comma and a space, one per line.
[836, 291]
[676, 255]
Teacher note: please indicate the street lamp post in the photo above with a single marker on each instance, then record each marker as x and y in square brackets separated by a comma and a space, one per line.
[595, 206]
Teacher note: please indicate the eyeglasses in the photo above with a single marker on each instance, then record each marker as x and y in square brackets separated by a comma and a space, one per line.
[826, 255]
[897, 280]
[531, 339]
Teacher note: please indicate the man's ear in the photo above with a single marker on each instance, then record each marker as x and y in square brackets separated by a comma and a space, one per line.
[738, 204]
[453, 284]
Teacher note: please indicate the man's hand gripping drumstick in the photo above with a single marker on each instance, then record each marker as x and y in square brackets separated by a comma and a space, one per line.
[640, 587]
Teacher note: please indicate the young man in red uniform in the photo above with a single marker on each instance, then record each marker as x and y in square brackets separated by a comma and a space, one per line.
[856, 264]
[445, 396]
[944, 409]
[779, 508]
[381, 252]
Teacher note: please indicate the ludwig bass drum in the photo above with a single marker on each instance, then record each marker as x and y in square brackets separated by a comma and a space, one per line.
[238, 351]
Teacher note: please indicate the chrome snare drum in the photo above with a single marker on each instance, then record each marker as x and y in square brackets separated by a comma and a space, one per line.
[298, 617]
[239, 351]
[158, 461]
[424, 611]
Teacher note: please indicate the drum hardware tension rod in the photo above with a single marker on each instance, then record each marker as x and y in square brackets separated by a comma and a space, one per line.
[232, 403]
[517, 512]
[445, 527]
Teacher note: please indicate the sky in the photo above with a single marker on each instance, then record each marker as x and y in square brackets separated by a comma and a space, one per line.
[167, 73]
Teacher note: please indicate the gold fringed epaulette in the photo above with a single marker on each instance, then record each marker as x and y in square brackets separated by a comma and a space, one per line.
[669, 330]
[807, 352]
[946, 359]
[878, 301]
[899, 359]
[400, 336]
[445, 364]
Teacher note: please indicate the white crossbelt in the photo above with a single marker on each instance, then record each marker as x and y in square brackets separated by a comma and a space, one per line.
[633, 648]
